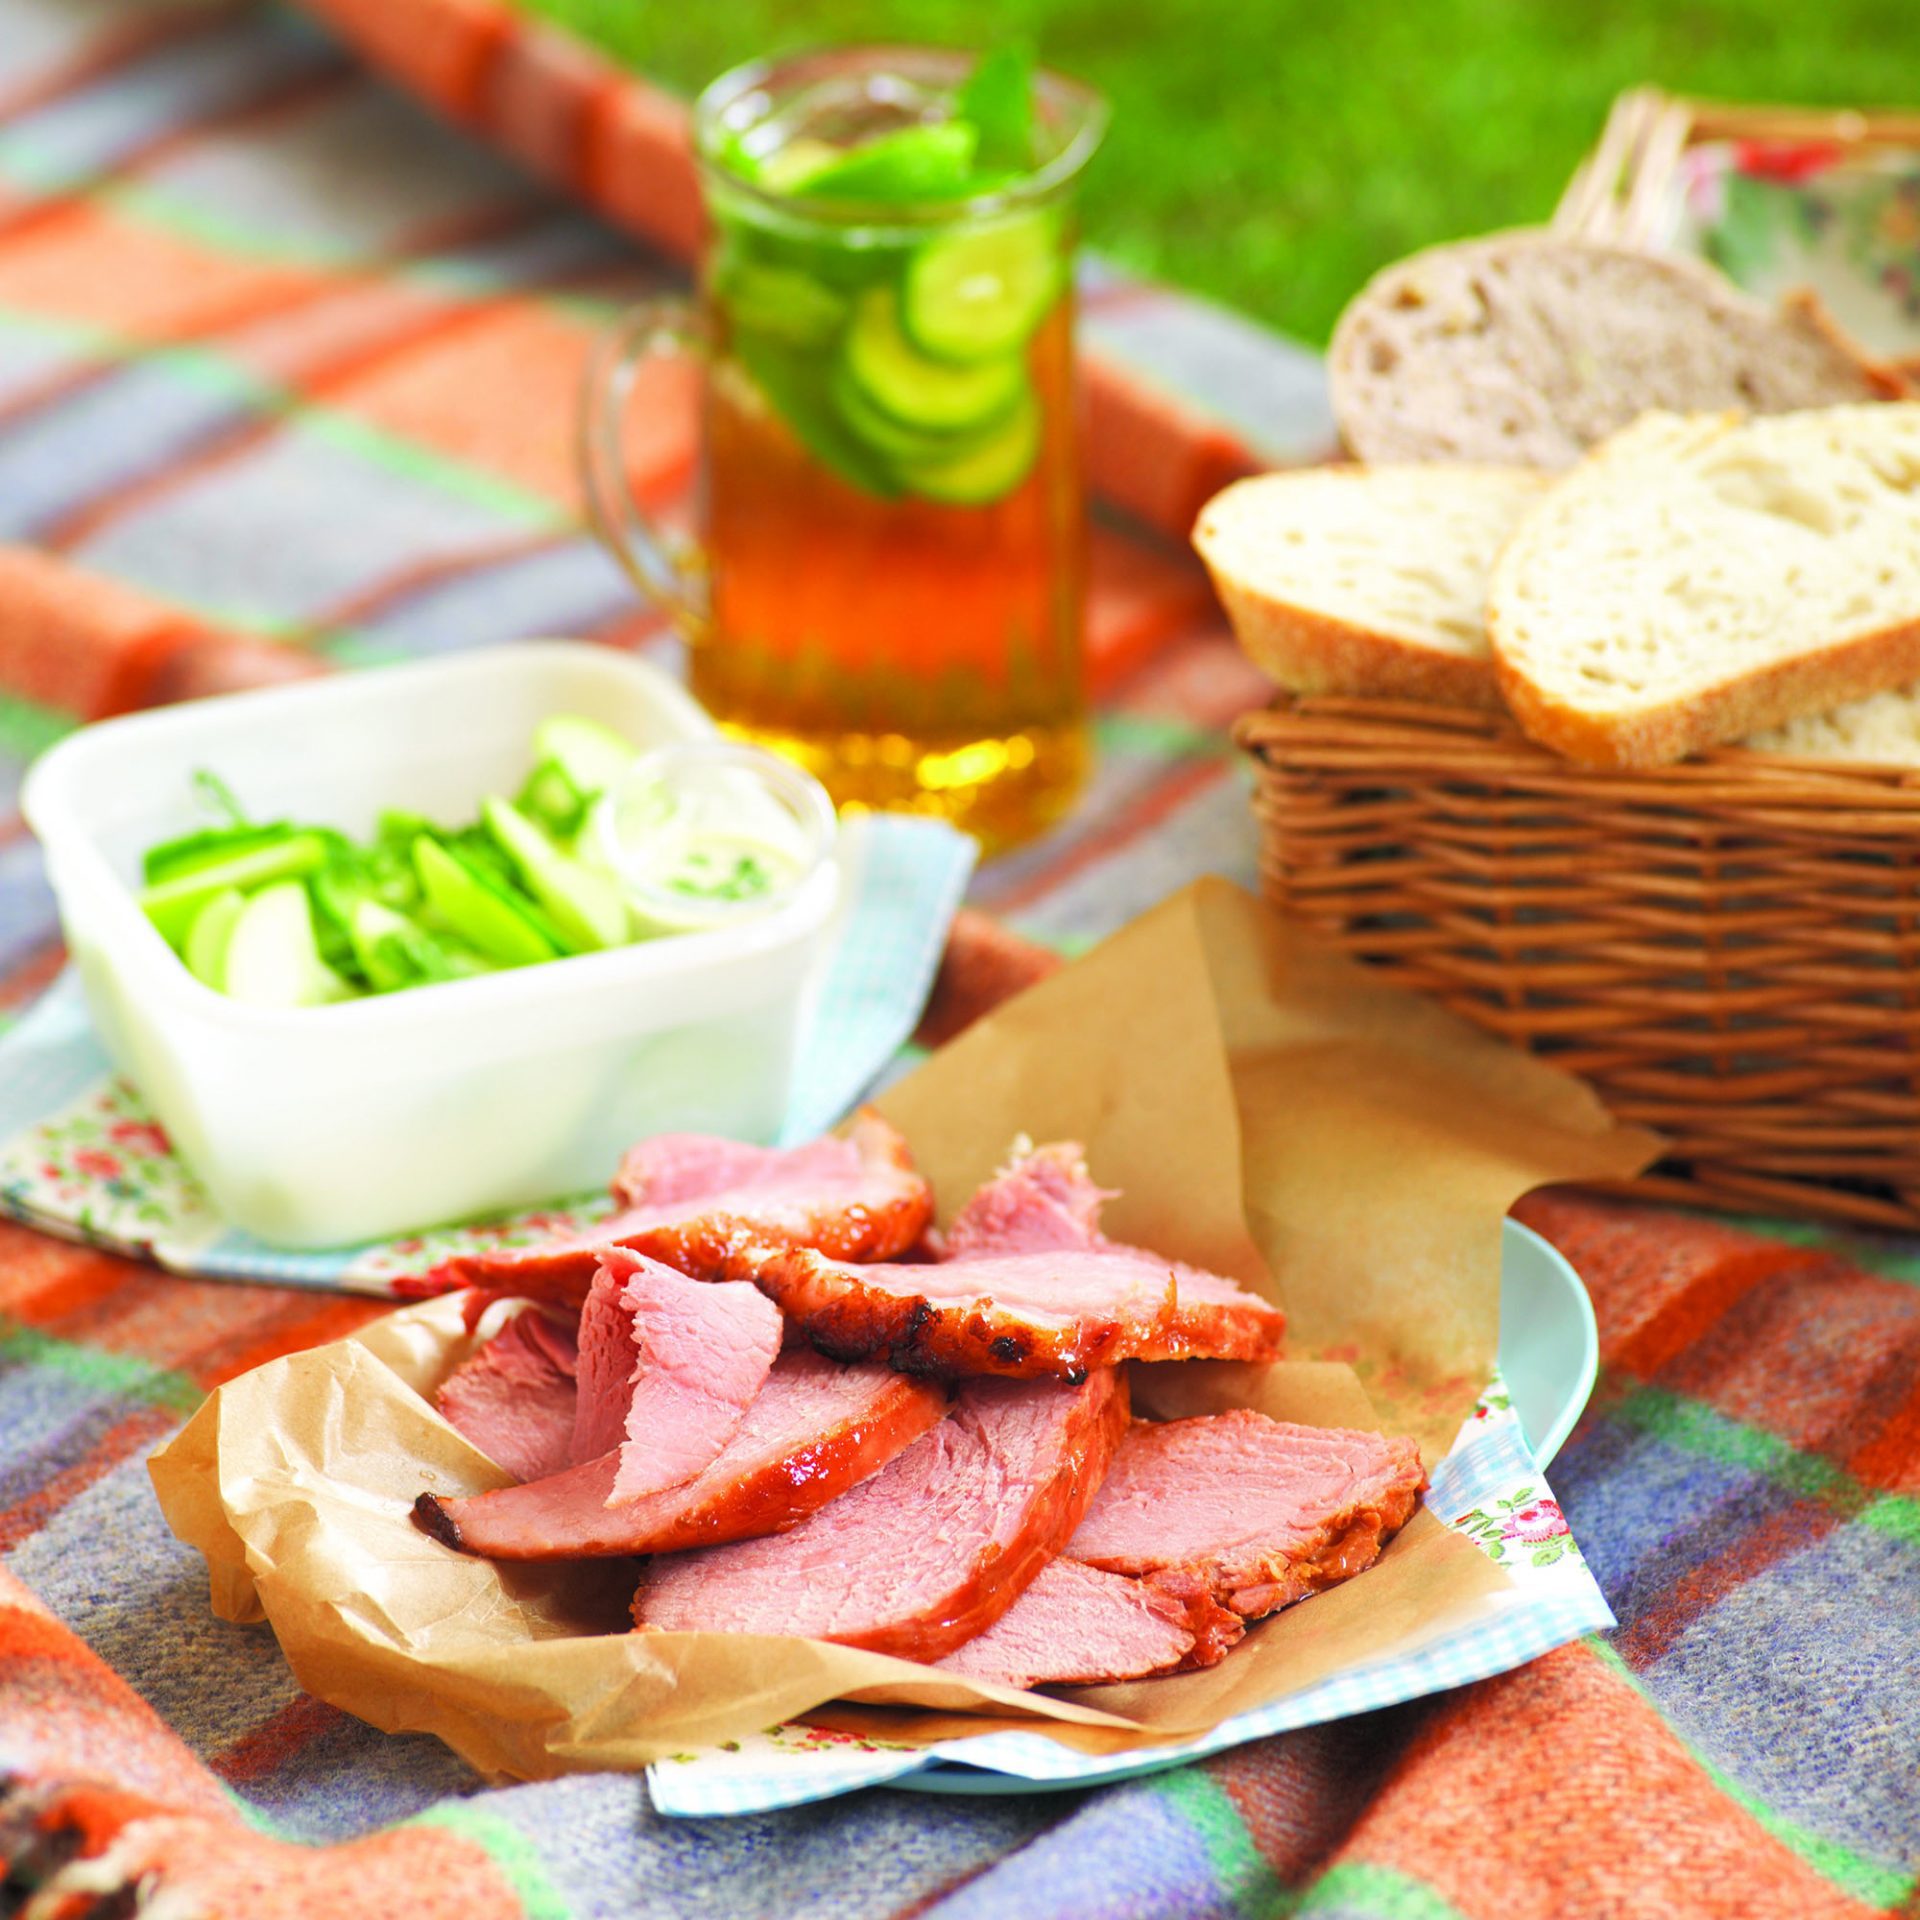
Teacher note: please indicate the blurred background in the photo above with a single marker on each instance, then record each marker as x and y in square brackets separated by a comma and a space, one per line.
[1273, 153]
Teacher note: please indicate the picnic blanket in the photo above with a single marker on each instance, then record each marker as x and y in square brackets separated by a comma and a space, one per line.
[286, 369]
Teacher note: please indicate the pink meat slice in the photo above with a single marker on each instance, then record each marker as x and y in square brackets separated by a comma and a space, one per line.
[816, 1430]
[668, 1368]
[1077, 1626]
[515, 1398]
[1044, 1201]
[690, 1200]
[1258, 1511]
[1025, 1315]
[929, 1552]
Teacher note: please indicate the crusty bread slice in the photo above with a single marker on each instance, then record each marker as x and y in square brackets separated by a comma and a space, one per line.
[1883, 729]
[1700, 577]
[1522, 349]
[1366, 580]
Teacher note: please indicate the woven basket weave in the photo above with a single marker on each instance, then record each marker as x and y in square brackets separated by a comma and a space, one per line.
[1728, 950]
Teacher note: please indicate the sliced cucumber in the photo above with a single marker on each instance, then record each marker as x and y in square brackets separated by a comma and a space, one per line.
[478, 909]
[792, 385]
[915, 388]
[978, 293]
[396, 951]
[587, 907]
[995, 466]
[593, 757]
[272, 959]
[782, 301]
[195, 852]
[208, 937]
[174, 904]
[928, 162]
[887, 436]
[549, 799]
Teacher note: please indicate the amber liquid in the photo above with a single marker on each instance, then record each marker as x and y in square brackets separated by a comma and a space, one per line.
[914, 656]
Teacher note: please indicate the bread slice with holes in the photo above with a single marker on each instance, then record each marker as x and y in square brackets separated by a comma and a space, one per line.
[1881, 730]
[1351, 580]
[1522, 349]
[1698, 578]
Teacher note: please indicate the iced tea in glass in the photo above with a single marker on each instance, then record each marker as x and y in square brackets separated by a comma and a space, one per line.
[891, 584]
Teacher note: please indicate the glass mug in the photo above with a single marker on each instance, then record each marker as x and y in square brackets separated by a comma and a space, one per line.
[890, 581]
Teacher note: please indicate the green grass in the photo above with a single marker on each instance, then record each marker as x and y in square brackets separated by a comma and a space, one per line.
[1275, 154]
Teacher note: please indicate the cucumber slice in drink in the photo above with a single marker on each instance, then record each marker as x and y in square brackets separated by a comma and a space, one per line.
[272, 958]
[778, 300]
[482, 912]
[891, 438]
[989, 468]
[208, 938]
[793, 385]
[979, 293]
[586, 906]
[913, 387]
[927, 162]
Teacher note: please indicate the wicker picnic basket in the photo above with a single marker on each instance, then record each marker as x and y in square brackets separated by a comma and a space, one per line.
[1728, 949]
[1619, 192]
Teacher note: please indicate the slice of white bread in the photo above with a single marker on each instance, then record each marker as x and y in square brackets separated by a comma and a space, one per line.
[1884, 728]
[1366, 580]
[1522, 349]
[1700, 577]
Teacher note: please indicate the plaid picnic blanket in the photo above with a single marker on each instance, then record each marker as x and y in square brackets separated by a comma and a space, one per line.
[248, 294]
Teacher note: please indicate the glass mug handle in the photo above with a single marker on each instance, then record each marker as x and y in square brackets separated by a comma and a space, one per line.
[670, 572]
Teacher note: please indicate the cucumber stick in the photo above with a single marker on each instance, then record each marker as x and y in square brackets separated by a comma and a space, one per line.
[592, 757]
[478, 909]
[174, 904]
[272, 958]
[587, 907]
[210, 935]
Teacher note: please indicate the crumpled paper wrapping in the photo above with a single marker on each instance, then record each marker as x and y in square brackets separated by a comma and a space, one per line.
[1266, 1108]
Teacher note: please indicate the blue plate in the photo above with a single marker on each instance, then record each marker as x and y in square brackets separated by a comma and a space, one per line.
[1549, 1355]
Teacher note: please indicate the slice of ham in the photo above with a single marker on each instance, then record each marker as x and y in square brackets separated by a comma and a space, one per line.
[1063, 1314]
[1076, 1626]
[815, 1430]
[690, 1201]
[1258, 1511]
[1043, 1201]
[929, 1552]
[515, 1398]
[1028, 1286]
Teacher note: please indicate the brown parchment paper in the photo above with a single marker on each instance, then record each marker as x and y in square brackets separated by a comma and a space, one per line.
[1265, 1108]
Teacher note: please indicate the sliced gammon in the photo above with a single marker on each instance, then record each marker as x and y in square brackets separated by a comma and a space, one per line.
[1077, 1626]
[1063, 1314]
[816, 1429]
[1258, 1511]
[928, 1553]
[515, 1398]
[668, 1368]
[691, 1200]
[1043, 1201]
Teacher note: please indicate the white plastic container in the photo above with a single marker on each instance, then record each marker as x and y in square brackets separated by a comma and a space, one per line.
[323, 1126]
